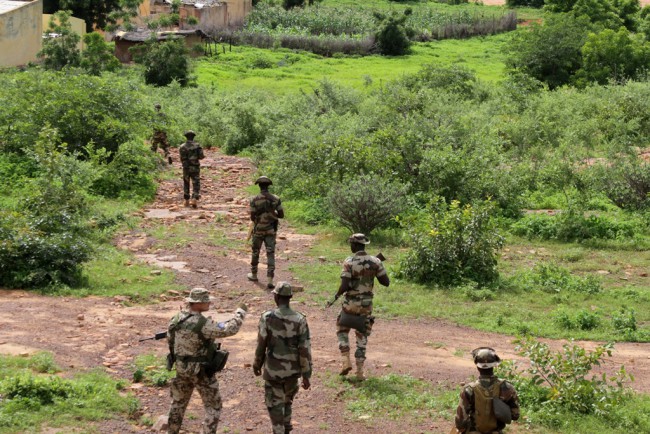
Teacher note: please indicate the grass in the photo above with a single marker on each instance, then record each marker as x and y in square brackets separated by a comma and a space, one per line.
[151, 369]
[292, 71]
[32, 399]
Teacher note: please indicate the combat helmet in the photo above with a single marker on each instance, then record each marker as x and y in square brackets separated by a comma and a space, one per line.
[189, 134]
[264, 180]
[283, 289]
[485, 357]
[358, 239]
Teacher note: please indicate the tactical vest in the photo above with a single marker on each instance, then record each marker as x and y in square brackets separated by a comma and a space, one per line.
[190, 153]
[194, 328]
[484, 417]
[265, 205]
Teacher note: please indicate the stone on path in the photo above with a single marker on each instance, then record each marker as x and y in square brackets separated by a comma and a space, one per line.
[161, 424]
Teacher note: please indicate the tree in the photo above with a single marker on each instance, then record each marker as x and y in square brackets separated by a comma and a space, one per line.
[164, 62]
[598, 12]
[98, 55]
[393, 36]
[93, 12]
[550, 52]
[60, 47]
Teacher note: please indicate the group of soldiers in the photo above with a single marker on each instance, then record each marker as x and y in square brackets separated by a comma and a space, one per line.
[283, 352]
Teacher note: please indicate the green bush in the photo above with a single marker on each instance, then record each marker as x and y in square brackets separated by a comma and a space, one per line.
[583, 320]
[459, 243]
[98, 55]
[60, 46]
[392, 36]
[164, 62]
[627, 184]
[552, 278]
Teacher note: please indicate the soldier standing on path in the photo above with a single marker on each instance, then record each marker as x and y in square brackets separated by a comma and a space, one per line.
[284, 350]
[191, 339]
[160, 133]
[265, 210]
[357, 282]
[191, 152]
[488, 404]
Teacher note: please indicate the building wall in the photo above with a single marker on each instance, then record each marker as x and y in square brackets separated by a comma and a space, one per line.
[78, 26]
[21, 34]
[237, 11]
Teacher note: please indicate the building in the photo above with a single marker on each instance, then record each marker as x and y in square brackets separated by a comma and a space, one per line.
[21, 31]
[126, 40]
[211, 15]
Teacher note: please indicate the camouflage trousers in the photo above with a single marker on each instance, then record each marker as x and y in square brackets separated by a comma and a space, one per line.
[269, 242]
[278, 397]
[160, 139]
[181, 391]
[342, 334]
[195, 177]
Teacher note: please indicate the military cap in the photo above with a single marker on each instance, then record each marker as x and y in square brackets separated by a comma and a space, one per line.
[283, 289]
[189, 133]
[264, 180]
[485, 357]
[358, 239]
[198, 295]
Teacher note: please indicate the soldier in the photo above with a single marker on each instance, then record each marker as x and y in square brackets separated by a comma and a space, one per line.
[191, 338]
[284, 349]
[160, 134]
[191, 152]
[488, 404]
[357, 282]
[265, 210]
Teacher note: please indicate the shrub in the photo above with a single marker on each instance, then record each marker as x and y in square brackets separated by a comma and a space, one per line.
[392, 36]
[98, 55]
[551, 278]
[625, 324]
[525, 3]
[60, 46]
[459, 243]
[246, 127]
[163, 62]
[627, 184]
[366, 203]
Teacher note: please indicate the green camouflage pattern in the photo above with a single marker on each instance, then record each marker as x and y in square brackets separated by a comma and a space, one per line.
[265, 207]
[190, 153]
[269, 242]
[160, 139]
[187, 343]
[465, 414]
[278, 397]
[193, 176]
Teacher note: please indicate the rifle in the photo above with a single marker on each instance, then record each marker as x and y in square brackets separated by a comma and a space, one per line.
[158, 336]
[379, 256]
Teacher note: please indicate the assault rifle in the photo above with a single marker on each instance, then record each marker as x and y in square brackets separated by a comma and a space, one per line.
[379, 256]
[158, 336]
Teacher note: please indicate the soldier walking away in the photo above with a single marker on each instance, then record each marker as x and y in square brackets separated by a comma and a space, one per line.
[191, 340]
[488, 404]
[357, 282]
[191, 152]
[265, 210]
[160, 133]
[284, 350]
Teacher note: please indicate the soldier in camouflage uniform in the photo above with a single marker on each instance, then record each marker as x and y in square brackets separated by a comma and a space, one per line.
[160, 135]
[476, 413]
[190, 334]
[284, 350]
[357, 282]
[191, 152]
[265, 210]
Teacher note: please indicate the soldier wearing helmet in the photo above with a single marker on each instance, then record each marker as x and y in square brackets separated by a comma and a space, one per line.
[284, 351]
[190, 153]
[265, 210]
[160, 133]
[488, 404]
[357, 283]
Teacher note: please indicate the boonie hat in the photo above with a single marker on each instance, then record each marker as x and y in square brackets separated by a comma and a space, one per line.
[283, 289]
[198, 295]
[485, 357]
[189, 133]
[359, 239]
[264, 180]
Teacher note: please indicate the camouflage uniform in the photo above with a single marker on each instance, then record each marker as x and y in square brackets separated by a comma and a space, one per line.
[465, 422]
[284, 349]
[361, 269]
[160, 135]
[265, 206]
[188, 346]
[190, 153]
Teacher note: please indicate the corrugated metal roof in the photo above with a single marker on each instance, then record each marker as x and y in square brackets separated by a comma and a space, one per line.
[9, 5]
[143, 35]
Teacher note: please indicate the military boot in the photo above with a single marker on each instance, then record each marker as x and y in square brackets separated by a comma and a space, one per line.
[347, 365]
[193, 203]
[360, 375]
[270, 285]
[186, 204]
[252, 277]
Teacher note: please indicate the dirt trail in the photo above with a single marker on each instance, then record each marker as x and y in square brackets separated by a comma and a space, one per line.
[95, 331]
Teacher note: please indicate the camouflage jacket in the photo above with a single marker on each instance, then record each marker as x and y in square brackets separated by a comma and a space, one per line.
[188, 343]
[465, 411]
[265, 207]
[191, 152]
[283, 345]
[361, 269]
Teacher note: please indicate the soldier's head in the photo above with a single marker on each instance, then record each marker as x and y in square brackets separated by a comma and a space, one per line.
[282, 293]
[358, 242]
[199, 300]
[264, 182]
[485, 359]
[189, 134]
[157, 106]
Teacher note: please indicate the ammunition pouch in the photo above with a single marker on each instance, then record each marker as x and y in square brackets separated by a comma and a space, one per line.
[216, 361]
[502, 411]
[357, 322]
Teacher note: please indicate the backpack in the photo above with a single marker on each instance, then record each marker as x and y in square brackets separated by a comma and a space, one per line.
[484, 417]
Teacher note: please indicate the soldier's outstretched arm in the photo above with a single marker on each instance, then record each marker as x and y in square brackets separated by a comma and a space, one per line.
[382, 275]
[213, 330]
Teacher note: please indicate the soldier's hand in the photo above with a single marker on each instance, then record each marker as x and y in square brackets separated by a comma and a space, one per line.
[257, 371]
[243, 307]
[305, 383]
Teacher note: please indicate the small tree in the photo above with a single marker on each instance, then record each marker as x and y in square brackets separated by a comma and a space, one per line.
[60, 46]
[98, 55]
[393, 36]
[163, 62]
[366, 203]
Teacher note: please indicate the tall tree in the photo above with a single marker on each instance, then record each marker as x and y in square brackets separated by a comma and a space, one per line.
[93, 12]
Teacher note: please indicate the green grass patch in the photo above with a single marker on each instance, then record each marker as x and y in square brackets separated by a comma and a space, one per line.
[31, 399]
[151, 369]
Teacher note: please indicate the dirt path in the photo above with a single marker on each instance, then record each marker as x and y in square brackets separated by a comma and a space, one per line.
[94, 331]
